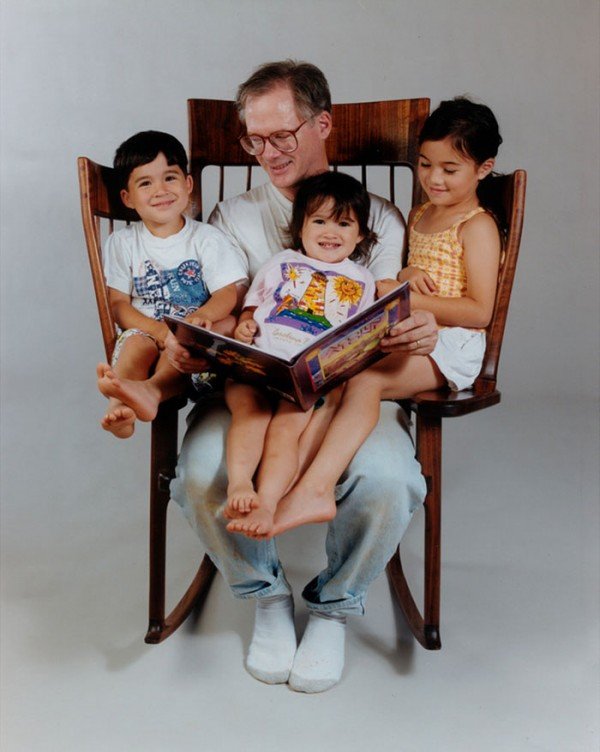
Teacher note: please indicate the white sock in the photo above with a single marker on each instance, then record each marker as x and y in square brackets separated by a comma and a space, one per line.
[273, 645]
[319, 660]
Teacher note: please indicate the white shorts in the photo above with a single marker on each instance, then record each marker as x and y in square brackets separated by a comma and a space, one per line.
[459, 354]
[121, 340]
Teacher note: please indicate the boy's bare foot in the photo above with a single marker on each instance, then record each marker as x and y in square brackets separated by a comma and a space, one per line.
[256, 524]
[120, 421]
[141, 396]
[304, 505]
[241, 498]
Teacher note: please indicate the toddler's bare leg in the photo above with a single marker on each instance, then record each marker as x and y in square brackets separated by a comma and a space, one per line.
[136, 359]
[278, 467]
[250, 415]
[144, 396]
[395, 377]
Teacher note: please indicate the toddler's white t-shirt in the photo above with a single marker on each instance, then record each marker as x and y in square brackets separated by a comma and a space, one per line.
[298, 298]
[174, 275]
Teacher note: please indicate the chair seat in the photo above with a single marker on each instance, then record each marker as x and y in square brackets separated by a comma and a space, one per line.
[444, 403]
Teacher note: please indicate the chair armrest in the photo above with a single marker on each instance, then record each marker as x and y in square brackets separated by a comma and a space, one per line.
[443, 403]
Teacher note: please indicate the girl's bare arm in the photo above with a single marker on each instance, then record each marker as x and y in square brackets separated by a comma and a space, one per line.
[481, 241]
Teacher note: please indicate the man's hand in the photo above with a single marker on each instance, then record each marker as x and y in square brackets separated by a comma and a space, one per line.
[245, 331]
[415, 335]
[181, 359]
[418, 280]
[199, 321]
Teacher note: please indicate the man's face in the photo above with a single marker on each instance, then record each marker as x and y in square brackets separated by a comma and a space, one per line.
[276, 111]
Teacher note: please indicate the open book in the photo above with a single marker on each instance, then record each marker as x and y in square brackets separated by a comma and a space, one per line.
[326, 361]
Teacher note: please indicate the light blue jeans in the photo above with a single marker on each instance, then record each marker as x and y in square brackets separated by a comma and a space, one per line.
[376, 498]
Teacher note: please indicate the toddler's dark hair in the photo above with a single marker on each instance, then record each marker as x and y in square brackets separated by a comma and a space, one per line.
[474, 132]
[143, 148]
[347, 194]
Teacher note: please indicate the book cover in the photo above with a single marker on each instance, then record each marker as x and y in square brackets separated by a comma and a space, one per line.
[326, 361]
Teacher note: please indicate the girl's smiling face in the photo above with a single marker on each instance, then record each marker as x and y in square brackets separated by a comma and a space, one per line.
[327, 238]
[448, 177]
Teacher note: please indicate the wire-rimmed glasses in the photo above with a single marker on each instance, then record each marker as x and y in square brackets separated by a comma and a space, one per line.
[284, 141]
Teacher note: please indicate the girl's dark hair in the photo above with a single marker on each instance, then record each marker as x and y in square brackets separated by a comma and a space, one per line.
[473, 130]
[143, 148]
[348, 195]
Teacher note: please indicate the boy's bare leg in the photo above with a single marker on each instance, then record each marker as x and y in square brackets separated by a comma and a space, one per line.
[278, 467]
[251, 413]
[395, 377]
[138, 355]
[144, 396]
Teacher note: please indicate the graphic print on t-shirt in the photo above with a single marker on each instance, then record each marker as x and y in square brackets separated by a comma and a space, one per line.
[176, 291]
[312, 300]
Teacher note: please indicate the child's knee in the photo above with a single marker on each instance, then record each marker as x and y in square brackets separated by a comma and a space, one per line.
[138, 342]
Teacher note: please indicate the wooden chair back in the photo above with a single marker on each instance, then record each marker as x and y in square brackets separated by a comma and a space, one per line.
[101, 207]
[364, 134]
[510, 193]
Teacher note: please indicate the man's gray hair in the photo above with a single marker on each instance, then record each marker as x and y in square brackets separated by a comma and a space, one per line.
[306, 82]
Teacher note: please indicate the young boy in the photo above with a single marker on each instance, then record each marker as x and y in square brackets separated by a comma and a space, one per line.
[165, 264]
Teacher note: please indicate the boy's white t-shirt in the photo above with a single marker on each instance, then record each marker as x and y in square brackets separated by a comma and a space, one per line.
[174, 275]
[257, 223]
[298, 298]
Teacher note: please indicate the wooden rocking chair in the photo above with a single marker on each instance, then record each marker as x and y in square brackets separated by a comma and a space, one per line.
[365, 135]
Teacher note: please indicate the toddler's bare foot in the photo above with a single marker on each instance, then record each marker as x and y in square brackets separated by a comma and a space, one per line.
[101, 370]
[120, 421]
[256, 524]
[241, 498]
[141, 396]
[304, 505]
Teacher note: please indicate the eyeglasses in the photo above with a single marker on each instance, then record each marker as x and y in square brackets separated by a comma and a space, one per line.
[284, 141]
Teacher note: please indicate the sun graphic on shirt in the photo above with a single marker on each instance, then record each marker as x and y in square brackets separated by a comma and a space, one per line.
[347, 290]
[291, 273]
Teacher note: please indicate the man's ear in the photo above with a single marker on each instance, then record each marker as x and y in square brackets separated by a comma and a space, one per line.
[189, 182]
[125, 198]
[324, 124]
[485, 168]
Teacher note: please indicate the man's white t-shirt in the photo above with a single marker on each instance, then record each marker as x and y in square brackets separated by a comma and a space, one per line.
[297, 298]
[174, 275]
[257, 223]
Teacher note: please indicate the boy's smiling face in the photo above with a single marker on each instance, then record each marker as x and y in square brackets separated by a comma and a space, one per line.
[159, 193]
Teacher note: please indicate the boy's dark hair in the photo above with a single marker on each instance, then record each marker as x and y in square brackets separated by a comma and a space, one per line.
[307, 83]
[474, 132]
[348, 195]
[143, 148]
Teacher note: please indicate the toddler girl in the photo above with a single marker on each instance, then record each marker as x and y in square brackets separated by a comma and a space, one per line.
[295, 296]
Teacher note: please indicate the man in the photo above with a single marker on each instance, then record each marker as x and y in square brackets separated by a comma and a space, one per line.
[286, 110]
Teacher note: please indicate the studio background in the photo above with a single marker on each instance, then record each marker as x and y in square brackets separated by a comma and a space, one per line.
[80, 76]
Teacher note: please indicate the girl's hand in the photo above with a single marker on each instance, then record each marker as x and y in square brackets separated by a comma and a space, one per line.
[245, 331]
[383, 286]
[418, 280]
